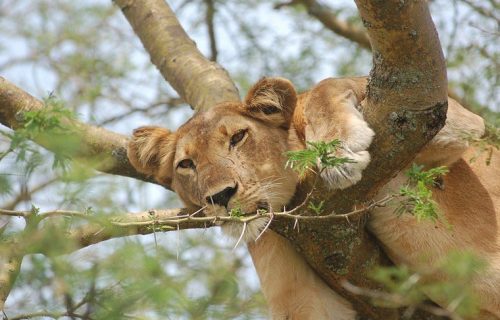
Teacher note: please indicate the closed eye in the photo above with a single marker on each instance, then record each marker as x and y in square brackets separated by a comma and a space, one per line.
[186, 164]
[237, 137]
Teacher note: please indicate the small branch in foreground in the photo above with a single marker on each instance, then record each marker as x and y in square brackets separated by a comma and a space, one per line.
[104, 228]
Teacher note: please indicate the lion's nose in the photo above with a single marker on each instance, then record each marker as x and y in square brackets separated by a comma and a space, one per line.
[222, 198]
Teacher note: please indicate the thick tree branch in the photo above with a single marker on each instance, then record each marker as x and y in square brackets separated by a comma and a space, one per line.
[200, 82]
[329, 19]
[406, 106]
[108, 148]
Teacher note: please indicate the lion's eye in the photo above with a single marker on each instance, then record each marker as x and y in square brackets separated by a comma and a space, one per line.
[186, 164]
[237, 137]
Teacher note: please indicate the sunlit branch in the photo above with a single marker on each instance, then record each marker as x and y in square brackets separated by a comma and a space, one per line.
[101, 228]
[200, 82]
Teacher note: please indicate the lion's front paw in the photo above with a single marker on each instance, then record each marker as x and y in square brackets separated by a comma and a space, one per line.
[347, 174]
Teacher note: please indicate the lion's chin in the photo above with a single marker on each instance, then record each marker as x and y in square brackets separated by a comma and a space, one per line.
[250, 232]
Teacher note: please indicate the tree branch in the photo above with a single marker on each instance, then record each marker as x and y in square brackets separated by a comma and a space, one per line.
[101, 228]
[200, 82]
[406, 106]
[96, 143]
[329, 19]
[26, 194]
[211, 28]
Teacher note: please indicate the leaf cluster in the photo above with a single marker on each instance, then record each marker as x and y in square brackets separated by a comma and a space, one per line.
[51, 124]
[408, 288]
[140, 278]
[318, 153]
[418, 194]
[236, 212]
[316, 208]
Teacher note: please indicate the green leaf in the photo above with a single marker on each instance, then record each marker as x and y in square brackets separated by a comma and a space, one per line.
[320, 152]
[418, 195]
[451, 284]
[5, 185]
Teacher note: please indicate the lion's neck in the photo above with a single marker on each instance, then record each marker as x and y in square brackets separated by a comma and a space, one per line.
[291, 288]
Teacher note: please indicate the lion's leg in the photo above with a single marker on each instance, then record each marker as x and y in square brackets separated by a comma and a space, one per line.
[292, 289]
[333, 115]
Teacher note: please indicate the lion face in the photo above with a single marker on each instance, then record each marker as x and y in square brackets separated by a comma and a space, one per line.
[230, 157]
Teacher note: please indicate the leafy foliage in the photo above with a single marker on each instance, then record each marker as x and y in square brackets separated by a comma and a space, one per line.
[418, 195]
[236, 212]
[138, 279]
[5, 185]
[317, 153]
[316, 208]
[51, 124]
[451, 284]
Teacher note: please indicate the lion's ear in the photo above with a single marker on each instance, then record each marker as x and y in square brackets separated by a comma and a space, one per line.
[151, 151]
[272, 100]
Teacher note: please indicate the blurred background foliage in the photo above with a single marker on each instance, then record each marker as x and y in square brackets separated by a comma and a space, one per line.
[85, 54]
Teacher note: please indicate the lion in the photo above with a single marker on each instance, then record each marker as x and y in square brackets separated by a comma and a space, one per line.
[233, 157]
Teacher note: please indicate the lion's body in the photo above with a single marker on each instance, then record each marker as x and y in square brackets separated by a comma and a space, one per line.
[232, 157]
[470, 202]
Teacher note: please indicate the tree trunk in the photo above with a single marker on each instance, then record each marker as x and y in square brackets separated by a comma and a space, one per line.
[406, 106]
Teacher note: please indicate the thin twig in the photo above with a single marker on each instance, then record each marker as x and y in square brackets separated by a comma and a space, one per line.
[132, 219]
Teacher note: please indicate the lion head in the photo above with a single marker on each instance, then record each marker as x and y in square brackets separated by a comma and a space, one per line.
[229, 157]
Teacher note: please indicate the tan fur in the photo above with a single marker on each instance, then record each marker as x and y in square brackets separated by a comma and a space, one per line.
[272, 120]
[291, 289]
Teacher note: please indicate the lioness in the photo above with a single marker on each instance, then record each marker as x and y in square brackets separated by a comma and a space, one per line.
[233, 156]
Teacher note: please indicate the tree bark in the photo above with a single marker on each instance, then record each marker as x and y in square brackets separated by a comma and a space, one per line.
[200, 82]
[329, 19]
[406, 106]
